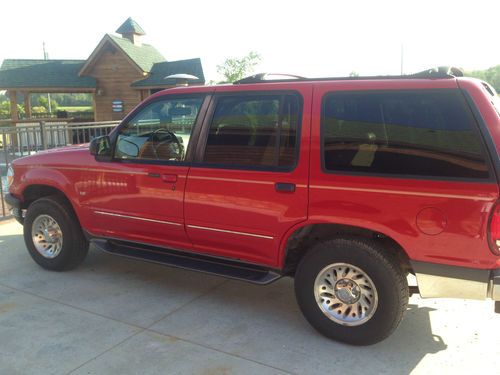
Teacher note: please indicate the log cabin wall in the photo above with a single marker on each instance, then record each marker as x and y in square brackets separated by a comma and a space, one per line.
[114, 73]
[119, 69]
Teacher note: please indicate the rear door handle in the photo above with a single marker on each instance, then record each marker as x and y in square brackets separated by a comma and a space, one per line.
[169, 178]
[285, 187]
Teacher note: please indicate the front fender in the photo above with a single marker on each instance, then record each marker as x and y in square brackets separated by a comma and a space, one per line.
[48, 177]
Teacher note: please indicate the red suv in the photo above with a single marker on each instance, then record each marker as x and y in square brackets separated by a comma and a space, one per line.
[347, 185]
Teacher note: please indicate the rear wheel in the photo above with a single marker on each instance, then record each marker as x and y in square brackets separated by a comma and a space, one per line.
[350, 290]
[53, 234]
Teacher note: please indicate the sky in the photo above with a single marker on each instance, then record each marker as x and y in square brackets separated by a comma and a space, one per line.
[311, 38]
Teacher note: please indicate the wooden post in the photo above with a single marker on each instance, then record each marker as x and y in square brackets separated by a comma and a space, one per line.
[27, 104]
[43, 138]
[95, 106]
[13, 105]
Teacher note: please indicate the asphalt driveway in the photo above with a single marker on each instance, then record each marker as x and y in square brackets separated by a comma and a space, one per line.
[114, 315]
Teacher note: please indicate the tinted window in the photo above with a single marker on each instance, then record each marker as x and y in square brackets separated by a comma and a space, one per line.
[416, 133]
[160, 131]
[254, 131]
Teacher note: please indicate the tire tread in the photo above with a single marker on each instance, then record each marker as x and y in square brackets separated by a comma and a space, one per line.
[380, 257]
[79, 245]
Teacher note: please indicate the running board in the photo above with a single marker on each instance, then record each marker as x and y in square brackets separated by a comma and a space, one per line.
[189, 261]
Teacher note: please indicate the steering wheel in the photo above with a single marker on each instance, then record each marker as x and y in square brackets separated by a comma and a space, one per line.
[166, 137]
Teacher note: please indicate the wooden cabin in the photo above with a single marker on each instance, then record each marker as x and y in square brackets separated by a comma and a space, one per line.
[120, 73]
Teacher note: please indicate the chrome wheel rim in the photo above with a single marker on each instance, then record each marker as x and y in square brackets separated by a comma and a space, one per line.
[346, 294]
[47, 236]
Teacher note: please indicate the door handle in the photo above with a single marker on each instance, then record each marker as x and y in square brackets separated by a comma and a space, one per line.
[169, 178]
[285, 187]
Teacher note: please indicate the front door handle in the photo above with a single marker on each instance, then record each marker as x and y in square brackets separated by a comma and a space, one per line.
[169, 178]
[285, 187]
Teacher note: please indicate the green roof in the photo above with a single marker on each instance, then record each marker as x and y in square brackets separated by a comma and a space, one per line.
[166, 68]
[144, 55]
[130, 27]
[21, 73]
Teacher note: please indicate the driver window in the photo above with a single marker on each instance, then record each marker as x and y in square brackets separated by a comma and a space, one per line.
[160, 131]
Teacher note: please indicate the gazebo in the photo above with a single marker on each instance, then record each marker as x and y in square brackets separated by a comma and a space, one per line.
[119, 73]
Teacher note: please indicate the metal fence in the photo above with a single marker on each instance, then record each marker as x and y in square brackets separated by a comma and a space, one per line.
[29, 138]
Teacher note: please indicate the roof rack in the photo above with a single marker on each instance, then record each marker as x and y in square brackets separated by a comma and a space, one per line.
[434, 73]
[266, 77]
[440, 72]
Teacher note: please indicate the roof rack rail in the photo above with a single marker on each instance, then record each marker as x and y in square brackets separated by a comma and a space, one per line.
[439, 72]
[434, 73]
[266, 77]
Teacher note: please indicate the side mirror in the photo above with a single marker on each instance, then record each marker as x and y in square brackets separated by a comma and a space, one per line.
[100, 147]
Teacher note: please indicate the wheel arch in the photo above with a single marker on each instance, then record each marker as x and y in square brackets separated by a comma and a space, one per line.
[300, 239]
[33, 192]
[44, 181]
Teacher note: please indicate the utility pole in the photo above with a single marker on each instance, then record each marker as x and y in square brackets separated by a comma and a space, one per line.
[45, 54]
[402, 58]
[46, 57]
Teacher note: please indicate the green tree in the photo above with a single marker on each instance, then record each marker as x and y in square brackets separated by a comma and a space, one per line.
[234, 69]
[5, 109]
[20, 110]
[490, 75]
[44, 102]
[354, 74]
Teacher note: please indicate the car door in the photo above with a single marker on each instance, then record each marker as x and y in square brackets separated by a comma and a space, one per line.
[248, 184]
[138, 195]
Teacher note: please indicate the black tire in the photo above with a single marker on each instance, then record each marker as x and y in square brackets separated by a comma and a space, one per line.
[74, 245]
[383, 270]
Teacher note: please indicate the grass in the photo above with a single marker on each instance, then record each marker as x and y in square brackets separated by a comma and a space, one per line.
[76, 109]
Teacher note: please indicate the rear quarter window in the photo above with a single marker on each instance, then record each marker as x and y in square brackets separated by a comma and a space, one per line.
[420, 133]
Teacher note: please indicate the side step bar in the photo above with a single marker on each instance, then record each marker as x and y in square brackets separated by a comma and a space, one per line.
[189, 261]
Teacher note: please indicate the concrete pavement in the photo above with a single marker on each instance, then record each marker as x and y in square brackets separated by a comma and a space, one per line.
[114, 315]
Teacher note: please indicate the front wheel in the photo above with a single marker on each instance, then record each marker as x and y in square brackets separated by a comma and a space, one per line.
[350, 290]
[53, 234]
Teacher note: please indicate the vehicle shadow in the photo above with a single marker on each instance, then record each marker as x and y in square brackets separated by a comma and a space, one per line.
[261, 323]
[410, 343]
[237, 312]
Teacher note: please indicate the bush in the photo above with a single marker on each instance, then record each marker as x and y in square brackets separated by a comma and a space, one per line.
[38, 109]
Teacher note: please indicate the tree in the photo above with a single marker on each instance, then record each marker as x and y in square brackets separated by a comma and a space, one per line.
[44, 102]
[234, 69]
[354, 74]
[490, 75]
[5, 109]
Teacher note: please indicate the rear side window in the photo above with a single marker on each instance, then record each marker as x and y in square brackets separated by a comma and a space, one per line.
[420, 133]
[254, 131]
